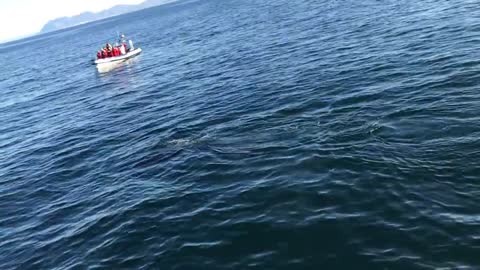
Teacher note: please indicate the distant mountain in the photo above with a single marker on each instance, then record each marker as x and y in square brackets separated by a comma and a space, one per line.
[85, 17]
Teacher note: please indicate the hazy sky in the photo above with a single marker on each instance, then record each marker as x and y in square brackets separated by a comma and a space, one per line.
[24, 17]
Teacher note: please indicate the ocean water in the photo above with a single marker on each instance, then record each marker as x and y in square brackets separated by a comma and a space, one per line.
[249, 134]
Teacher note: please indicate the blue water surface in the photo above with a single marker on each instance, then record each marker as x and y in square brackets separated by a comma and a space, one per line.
[249, 134]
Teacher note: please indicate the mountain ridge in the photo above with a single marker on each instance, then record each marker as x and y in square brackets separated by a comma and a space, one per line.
[88, 16]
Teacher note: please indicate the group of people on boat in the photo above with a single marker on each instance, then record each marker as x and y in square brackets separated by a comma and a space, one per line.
[117, 50]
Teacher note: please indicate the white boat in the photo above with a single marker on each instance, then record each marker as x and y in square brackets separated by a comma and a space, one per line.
[118, 59]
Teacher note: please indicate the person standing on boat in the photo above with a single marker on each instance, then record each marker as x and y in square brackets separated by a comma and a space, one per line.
[122, 39]
[123, 44]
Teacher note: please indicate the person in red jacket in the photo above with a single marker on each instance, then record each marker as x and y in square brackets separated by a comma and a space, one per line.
[104, 53]
[99, 55]
[109, 48]
[116, 51]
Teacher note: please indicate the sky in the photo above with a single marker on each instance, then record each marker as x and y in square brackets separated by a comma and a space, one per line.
[19, 18]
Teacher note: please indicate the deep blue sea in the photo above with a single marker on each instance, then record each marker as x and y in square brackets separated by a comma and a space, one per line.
[249, 134]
